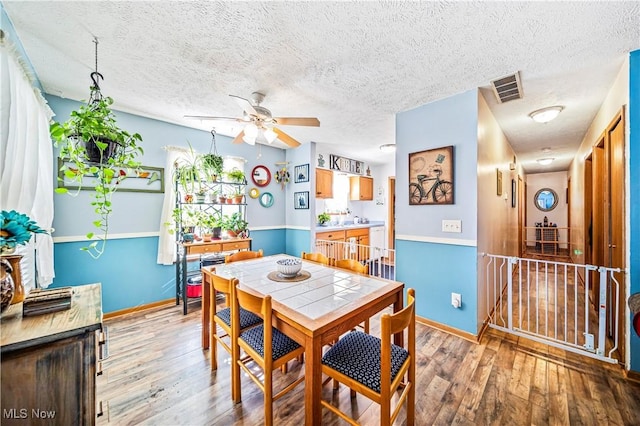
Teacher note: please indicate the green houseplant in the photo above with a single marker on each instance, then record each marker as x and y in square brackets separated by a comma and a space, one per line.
[187, 171]
[236, 176]
[92, 145]
[212, 165]
[235, 225]
[323, 218]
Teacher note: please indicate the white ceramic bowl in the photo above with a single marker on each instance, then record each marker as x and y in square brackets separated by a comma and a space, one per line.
[289, 267]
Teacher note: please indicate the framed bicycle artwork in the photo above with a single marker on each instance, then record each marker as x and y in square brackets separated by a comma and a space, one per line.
[431, 176]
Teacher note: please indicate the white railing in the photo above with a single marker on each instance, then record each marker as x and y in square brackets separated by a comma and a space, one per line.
[381, 261]
[549, 302]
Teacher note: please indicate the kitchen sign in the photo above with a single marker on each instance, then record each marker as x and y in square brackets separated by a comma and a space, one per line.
[346, 165]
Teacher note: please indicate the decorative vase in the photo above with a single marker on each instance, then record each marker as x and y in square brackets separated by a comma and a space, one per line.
[6, 284]
[16, 274]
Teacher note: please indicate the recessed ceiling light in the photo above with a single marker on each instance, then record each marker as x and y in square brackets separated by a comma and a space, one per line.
[545, 115]
[388, 147]
[545, 161]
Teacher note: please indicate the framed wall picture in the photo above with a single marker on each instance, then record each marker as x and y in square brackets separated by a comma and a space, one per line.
[498, 182]
[301, 173]
[514, 193]
[431, 176]
[301, 199]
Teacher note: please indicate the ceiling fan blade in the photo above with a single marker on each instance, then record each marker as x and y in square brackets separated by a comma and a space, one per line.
[208, 117]
[286, 138]
[238, 139]
[297, 121]
[245, 105]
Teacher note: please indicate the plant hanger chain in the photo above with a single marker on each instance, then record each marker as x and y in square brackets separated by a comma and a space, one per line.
[213, 142]
[96, 95]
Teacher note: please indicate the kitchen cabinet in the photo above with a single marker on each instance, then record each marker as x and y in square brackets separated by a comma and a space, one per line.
[352, 243]
[324, 183]
[361, 238]
[360, 188]
[49, 361]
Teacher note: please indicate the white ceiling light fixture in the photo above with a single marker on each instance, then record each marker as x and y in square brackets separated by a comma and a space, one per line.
[388, 147]
[270, 135]
[250, 134]
[545, 161]
[545, 115]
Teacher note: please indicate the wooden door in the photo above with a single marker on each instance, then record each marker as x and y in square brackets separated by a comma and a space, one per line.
[616, 225]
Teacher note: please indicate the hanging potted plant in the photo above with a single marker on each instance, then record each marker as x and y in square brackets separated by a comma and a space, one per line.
[92, 145]
[212, 163]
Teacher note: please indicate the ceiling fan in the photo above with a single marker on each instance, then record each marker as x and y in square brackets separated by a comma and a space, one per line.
[259, 120]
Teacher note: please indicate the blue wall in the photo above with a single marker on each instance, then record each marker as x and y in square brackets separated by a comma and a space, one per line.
[128, 270]
[634, 190]
[298, 241]
[436, 263]
[435, 271]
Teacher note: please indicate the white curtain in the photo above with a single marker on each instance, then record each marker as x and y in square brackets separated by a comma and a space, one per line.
[167, 241]
[26, 162]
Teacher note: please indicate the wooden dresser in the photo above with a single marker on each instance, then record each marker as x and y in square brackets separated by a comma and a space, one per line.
[49, 362]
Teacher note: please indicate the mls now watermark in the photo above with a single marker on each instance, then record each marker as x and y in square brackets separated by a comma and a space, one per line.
[24, 413]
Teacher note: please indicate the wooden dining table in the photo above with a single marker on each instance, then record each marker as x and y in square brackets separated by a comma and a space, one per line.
[314, 311]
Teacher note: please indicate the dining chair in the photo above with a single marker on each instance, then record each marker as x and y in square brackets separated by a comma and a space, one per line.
[355, 266]
[223, 317]
[375, 367]
[266, 346]
[318, 258]
[242, 255]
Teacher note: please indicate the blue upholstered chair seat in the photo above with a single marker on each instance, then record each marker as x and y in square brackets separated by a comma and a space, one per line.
[281, 343]
[357, 355]
[247, 319]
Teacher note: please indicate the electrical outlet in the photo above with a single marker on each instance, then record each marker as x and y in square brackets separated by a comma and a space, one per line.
[452, 226]
[456, 300]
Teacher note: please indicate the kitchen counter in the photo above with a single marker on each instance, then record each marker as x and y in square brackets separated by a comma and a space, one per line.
[349, 225]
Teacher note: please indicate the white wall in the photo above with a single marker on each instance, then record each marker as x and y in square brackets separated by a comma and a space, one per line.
[556, 181]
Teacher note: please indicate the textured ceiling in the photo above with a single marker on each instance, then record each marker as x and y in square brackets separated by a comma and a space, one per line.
[351, 64]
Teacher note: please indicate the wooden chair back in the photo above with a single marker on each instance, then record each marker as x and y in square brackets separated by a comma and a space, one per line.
[352, 265]
[405, 378]
[261, 305]
[242, 255]
[318, 258]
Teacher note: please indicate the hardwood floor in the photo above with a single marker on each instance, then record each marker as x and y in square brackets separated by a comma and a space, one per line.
[157, 374]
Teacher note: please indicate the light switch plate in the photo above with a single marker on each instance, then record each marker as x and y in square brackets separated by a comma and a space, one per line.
[452, 226]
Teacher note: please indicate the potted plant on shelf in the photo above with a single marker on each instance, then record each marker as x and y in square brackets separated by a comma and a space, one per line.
[236, 176]
[188, 173]
[235, 225]
[238, 195]
[210, 225]
[323, 219]
[91, 144]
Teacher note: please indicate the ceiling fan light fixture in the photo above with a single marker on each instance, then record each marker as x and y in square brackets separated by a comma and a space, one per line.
[388, 147]
[270, 135]
[545, 115]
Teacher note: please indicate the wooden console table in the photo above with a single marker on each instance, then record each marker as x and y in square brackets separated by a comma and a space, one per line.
[49, 362]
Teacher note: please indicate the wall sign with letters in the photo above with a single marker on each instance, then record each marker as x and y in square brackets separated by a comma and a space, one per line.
[346, 165]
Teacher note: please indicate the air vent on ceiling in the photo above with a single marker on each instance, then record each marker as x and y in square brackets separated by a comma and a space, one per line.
[507, 88]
